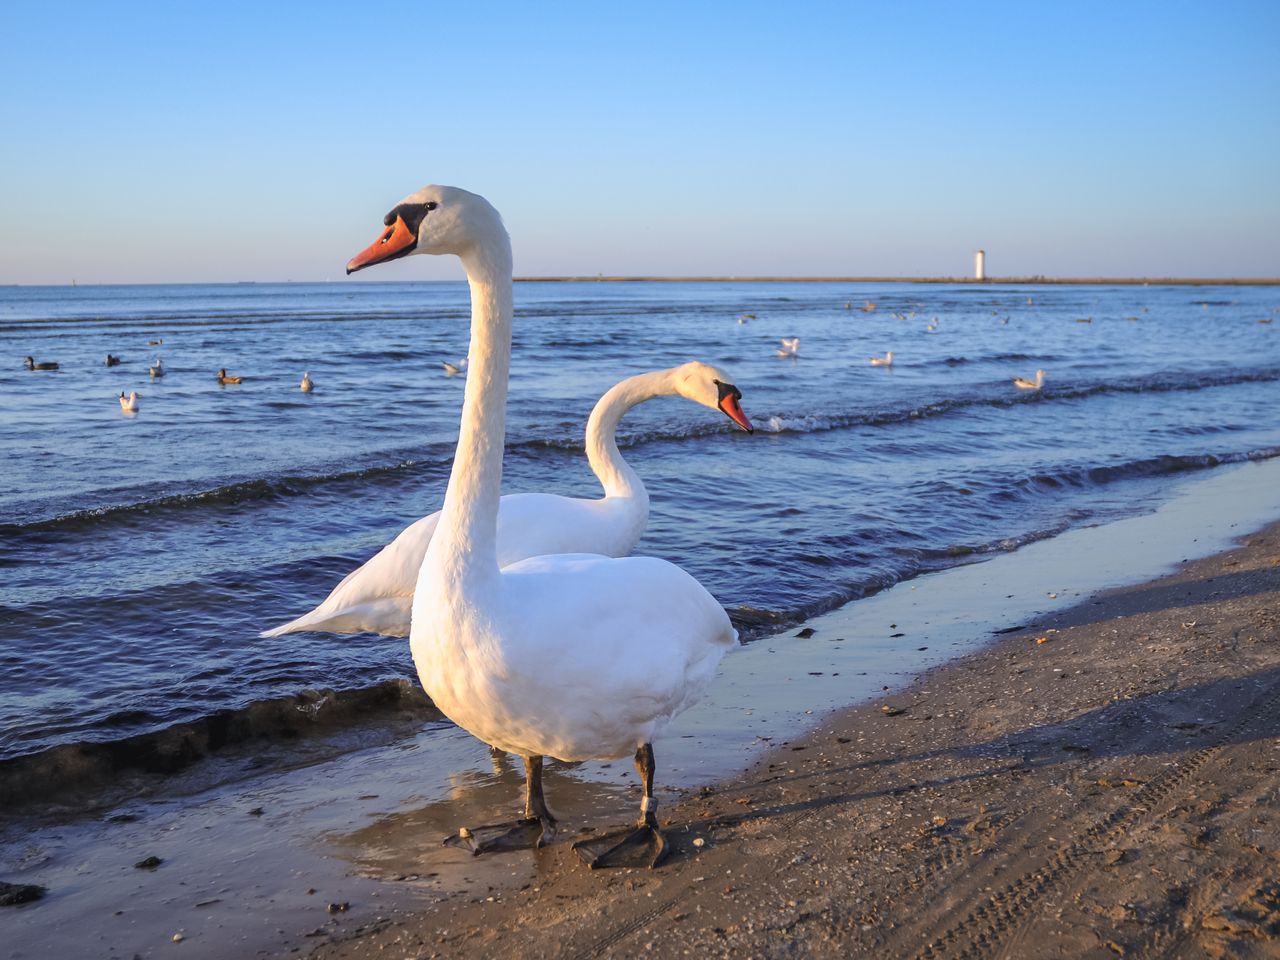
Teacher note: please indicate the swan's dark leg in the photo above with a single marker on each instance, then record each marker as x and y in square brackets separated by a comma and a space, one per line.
[536, 828]
[535, 805]
[645, 846]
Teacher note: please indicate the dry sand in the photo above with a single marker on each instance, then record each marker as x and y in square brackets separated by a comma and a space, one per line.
[1101, 783]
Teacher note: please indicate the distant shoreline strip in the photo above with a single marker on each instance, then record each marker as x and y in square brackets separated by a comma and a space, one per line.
[989, 281]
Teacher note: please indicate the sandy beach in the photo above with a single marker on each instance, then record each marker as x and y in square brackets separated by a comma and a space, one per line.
[1100, 783]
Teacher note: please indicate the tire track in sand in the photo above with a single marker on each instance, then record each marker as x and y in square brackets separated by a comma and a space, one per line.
[983, 930]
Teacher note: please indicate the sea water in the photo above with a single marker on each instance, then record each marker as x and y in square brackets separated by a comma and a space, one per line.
[140, 555]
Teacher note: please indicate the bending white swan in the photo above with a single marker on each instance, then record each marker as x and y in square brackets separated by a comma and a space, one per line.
[378, 596]
[569, 656]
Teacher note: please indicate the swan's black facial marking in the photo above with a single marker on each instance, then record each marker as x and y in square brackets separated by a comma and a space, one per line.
[411, 213]
[730, 406]
[727, 390]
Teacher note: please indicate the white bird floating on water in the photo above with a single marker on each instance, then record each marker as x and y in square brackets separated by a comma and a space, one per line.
[129, 404]
[885, 361]
[157, 369]
[1035, 384]
[453, 369]
[307, 384]
[790, 347]
[574, 656]
[378, 596]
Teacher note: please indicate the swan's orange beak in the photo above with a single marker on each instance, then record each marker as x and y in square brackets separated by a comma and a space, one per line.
[396, 241]
[730, 405]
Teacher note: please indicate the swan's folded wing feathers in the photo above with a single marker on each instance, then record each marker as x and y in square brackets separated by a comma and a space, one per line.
[620, 647]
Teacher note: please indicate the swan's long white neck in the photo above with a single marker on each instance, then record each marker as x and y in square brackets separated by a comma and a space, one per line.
[615, 474]
[464, 548]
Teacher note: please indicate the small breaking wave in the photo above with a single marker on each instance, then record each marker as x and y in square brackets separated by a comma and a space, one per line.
[1083, 476]
[1157, 383]
[84, 768]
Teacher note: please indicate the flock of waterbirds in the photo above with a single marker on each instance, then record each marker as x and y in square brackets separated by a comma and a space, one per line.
[789, 348]
[130, 403]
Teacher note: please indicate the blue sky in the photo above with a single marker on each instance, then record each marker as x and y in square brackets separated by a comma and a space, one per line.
[233, 141]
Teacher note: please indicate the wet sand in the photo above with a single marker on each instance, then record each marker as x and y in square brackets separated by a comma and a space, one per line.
[1101, 783]
[835, 812]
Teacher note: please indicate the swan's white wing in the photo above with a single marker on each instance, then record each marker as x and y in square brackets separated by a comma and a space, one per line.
[378, 596]
[596, 656]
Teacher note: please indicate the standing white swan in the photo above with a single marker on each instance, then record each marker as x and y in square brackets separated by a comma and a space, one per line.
[571, 656]
[1036, 384]
[378, 596]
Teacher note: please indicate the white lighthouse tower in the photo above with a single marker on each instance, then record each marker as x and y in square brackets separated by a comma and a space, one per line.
[980, 265]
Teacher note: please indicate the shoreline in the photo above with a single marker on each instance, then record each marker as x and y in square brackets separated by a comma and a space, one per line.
[255, 845]
[90, 773]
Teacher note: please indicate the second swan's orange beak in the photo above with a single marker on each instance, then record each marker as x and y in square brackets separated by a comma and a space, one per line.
[733, 409]
[395, 241]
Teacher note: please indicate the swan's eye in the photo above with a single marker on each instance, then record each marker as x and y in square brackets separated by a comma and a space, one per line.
[431, 204]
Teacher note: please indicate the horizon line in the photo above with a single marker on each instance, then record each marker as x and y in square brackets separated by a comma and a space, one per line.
[1036, 280]
[1022, 281]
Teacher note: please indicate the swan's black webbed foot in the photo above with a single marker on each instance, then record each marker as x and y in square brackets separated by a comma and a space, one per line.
[527, 833]
[535, 829]
[643, 846]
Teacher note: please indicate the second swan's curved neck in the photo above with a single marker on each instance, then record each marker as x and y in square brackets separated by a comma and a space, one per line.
[614, 473]
[465, 542]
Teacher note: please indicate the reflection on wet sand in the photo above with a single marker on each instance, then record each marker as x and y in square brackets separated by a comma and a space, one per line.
[407, 844]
